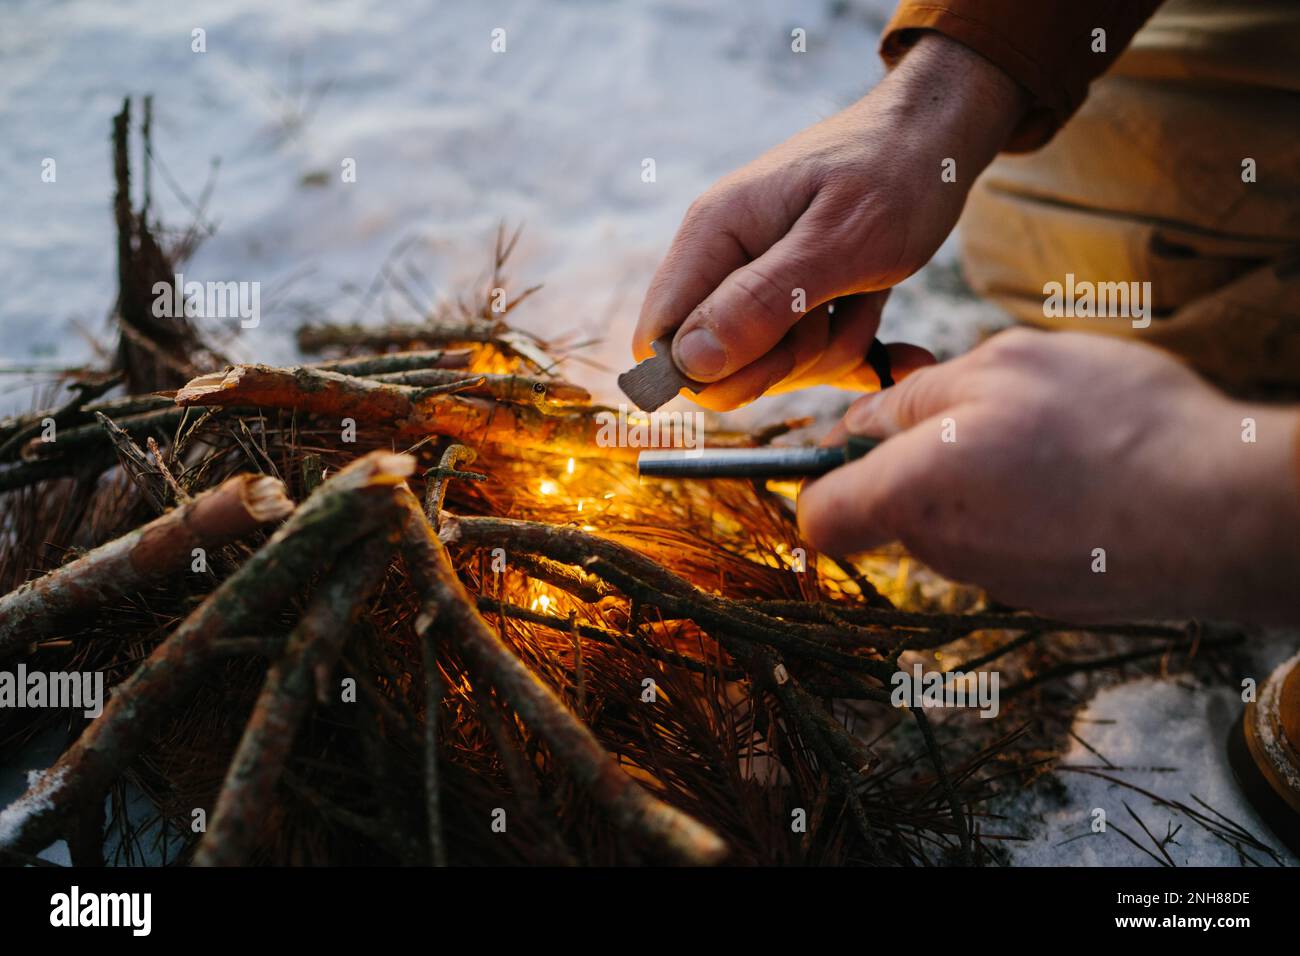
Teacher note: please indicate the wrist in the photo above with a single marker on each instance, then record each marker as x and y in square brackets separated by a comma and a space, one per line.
[965, 102]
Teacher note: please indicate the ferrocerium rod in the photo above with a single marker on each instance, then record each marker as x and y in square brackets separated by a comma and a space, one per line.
[751, 462]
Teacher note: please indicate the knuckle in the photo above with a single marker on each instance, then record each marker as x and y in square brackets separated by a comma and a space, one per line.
[912, 395]
[764, 294]
[700, 208]
[1012, 345]
[906, 410]
[708, 206]
[842, 212]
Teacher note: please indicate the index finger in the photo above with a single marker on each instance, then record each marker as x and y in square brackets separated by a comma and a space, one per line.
[703, 253]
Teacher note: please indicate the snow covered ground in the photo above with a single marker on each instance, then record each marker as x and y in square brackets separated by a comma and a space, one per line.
[450, 138]
[1166, 737]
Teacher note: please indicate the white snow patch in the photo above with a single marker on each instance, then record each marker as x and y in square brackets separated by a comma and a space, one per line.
[1166, 737]
[42, 785]
[448, 139]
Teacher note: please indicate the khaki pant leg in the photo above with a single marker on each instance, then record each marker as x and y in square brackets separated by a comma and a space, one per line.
[1145, 184]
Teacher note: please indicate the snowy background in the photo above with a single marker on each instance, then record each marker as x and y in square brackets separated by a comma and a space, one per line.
[450, 139]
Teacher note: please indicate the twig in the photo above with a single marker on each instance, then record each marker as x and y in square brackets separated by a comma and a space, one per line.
[433, 691]
[1070, 668]
[26, 427]
[397, 363]
[611, 638]
[519, 389]
[180, 493]
[471, 421]
[448, 334]
[949, 792]
[435, 490]
[135, 463]
[650, 583]
[955, 625]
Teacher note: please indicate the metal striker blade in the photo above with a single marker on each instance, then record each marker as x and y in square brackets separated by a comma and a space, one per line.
[656, 380]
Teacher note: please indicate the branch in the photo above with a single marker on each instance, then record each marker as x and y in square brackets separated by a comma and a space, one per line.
[471, 421]
[517, 389]
[309, 656]
[653, 584]
[629, 806]
[145, 556]
[350, 505]
[448, 334]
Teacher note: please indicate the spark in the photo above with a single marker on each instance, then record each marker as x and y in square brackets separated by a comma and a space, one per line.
[569, 467]
[548, 487]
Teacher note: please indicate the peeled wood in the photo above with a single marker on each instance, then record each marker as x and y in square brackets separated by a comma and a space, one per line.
[152, 553]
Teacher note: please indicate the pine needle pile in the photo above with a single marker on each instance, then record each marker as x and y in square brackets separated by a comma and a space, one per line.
[400, 606]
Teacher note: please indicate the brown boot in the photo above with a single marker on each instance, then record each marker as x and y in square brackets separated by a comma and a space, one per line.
[1264, 750]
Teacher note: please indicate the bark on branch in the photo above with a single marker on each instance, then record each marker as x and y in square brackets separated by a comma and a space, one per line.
[157, 551]
[353, 503]
[471, 421]
[291, 684]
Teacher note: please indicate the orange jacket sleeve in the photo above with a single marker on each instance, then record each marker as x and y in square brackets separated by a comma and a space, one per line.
[1047, 46]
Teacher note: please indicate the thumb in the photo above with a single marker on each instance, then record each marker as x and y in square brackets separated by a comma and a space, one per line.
[869, 502]
[924, 393]
[753, 308]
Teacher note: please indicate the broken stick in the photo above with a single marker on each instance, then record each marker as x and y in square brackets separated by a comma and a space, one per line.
[140, 558]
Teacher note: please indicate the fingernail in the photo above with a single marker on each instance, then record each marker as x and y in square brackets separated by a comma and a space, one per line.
[699, 354]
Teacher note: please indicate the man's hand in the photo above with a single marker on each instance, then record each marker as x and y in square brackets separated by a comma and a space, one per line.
[845, 209]
[1023, 464]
